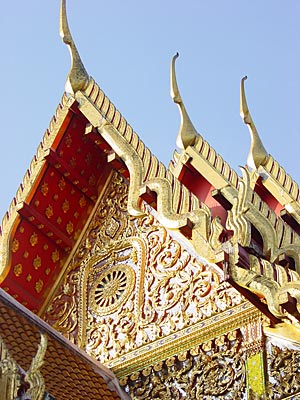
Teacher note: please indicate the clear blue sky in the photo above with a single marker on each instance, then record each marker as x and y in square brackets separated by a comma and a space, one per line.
[127, 47]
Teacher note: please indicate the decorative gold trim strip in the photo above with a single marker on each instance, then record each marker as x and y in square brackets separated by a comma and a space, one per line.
[184, 340]
[216, 162]
[284, 181]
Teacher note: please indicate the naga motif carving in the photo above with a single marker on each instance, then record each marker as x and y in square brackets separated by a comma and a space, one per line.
[129, 285]
[13, 383]
[237, 222]
[263, 275]
[10, 377]
[34, 376]
[176, 206]
[248, 209]
[273, 282]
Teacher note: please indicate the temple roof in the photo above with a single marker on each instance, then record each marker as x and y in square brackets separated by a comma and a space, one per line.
[65, 368]
[86, 139]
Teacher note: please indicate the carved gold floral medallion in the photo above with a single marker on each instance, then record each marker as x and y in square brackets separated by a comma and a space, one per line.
[111, 289]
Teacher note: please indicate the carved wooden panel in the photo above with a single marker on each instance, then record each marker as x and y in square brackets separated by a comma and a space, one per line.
[283, 372]
[213, 370]
[130, 282]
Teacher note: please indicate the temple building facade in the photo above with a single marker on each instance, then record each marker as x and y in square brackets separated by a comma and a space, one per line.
[122, 278]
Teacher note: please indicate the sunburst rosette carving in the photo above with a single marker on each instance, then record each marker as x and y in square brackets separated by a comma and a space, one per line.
[111, 289]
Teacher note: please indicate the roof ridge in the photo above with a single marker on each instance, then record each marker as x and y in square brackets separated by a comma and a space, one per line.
[216, 161]
[283, 179]
[147, 172]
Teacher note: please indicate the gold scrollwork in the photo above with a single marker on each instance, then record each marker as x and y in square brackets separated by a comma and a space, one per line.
[171, 290]
[283, 370]
[107, 281]
[214, 369]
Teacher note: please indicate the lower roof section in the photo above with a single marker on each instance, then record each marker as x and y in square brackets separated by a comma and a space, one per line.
[67, 371]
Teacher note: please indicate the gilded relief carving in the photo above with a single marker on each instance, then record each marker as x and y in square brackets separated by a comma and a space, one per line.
[15, 383]
[62, 313]
[34, 376]
[10, 377]
[107, 294]
[111, 289]
[284, 372]
[130, 283]
[215, 369]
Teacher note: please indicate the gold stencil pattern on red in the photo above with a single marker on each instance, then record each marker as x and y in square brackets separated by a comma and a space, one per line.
[71, 171]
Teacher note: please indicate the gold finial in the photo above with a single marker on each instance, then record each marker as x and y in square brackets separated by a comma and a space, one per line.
[187, 133]
[257, 154]
[78, 78]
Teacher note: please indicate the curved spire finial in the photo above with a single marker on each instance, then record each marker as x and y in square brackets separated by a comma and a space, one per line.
[187, 133]
[78, 78]
[257, 153]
